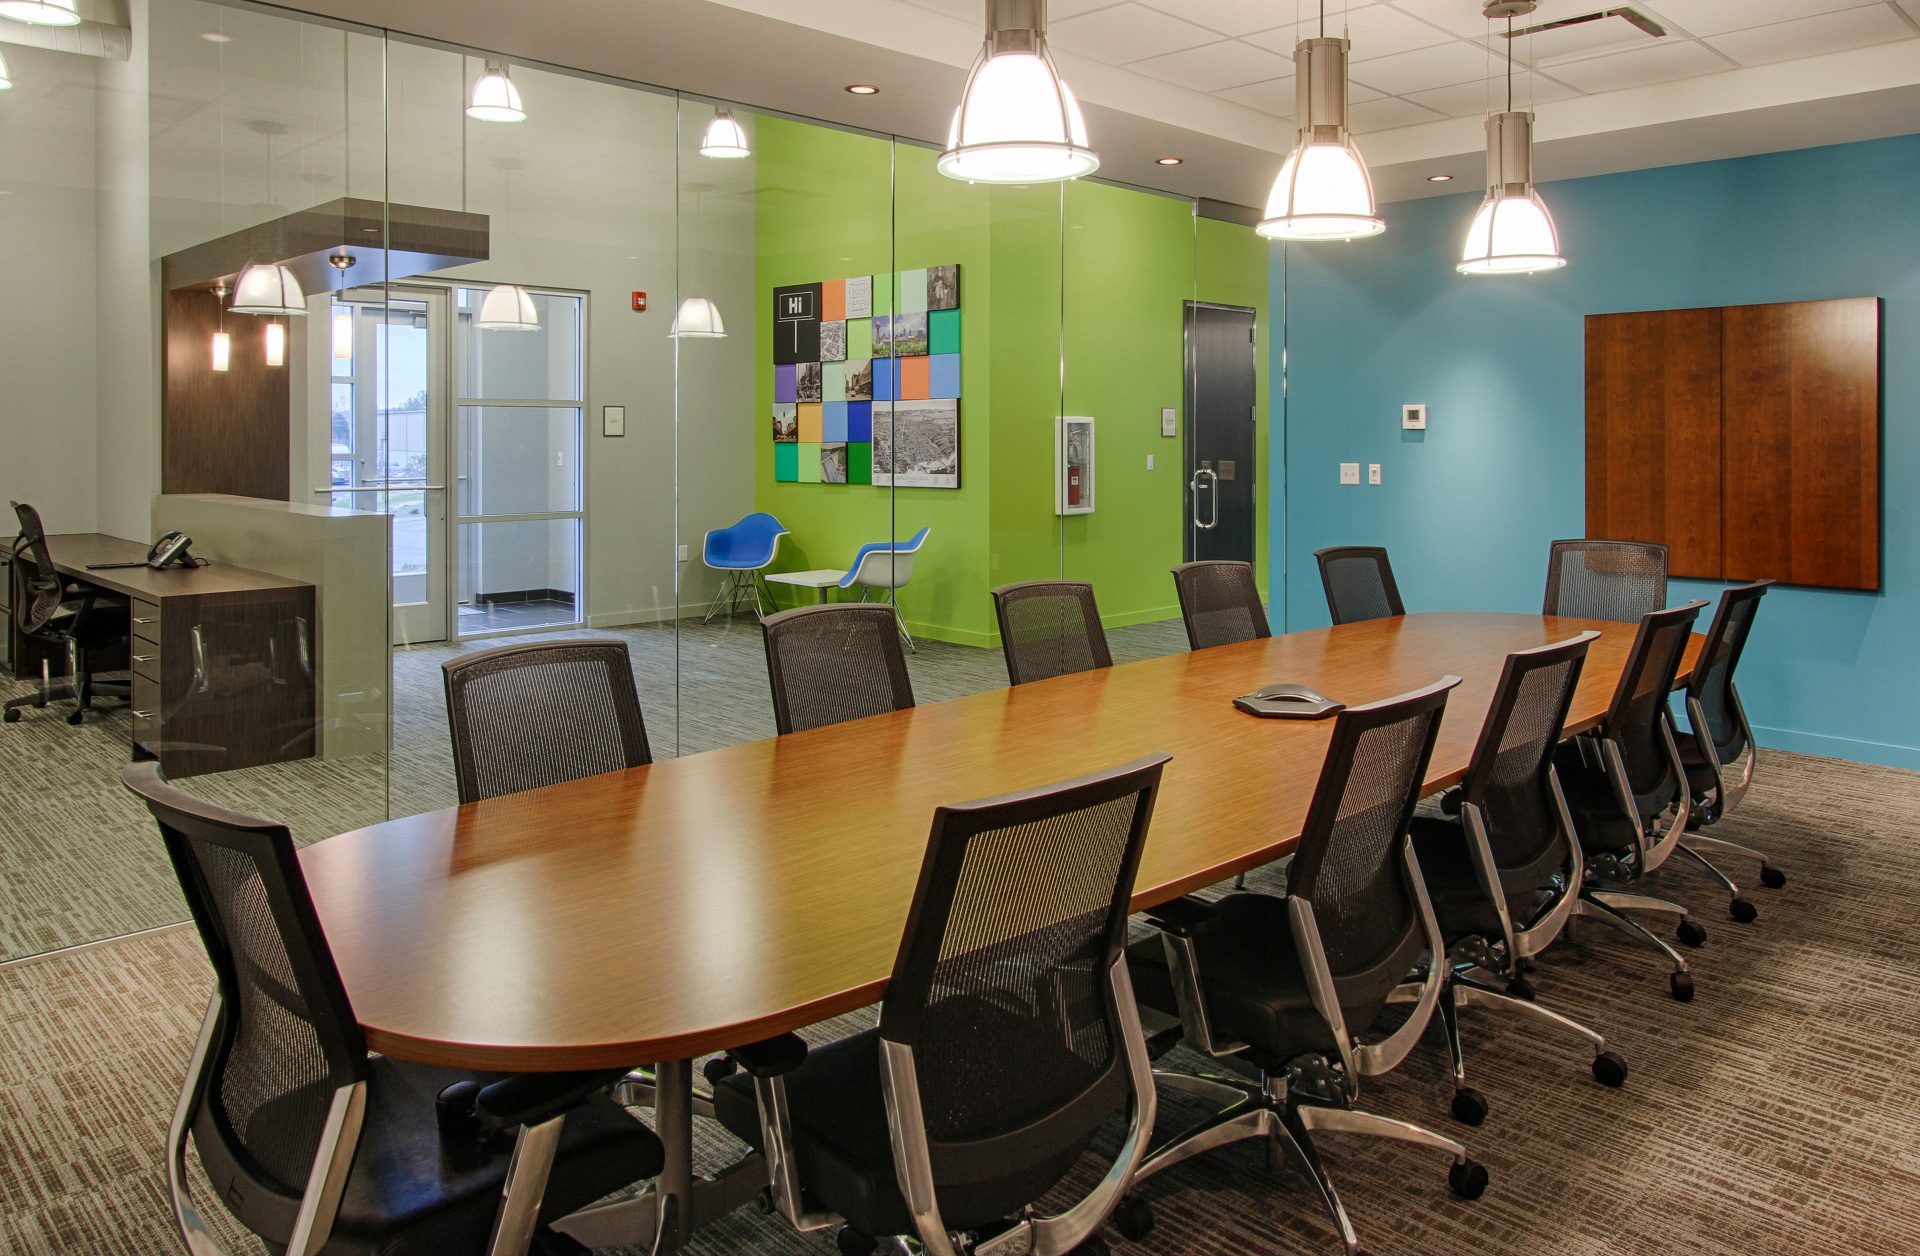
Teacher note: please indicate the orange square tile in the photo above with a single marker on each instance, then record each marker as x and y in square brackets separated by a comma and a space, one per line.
[916, 379]
[811, 420]
[833, 301]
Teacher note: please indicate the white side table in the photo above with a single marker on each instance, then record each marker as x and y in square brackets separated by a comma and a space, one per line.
[820, 580]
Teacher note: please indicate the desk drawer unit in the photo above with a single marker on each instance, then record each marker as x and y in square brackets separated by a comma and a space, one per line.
[146, 624]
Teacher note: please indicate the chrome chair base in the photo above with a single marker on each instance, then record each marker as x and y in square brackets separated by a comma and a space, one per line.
[899, 620]
[1609, 906]
[740, 586]
[1465, 991]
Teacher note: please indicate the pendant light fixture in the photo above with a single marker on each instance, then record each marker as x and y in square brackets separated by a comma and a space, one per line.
[698, 319]
[1513, 234]
[1018, 121]
[266, 288]
[495, 98]
[508, 307]
[1324, 191]
[725, 138]
[342, 333]
[42, 12]
[276, 344]
[6, 79]
[220, 352]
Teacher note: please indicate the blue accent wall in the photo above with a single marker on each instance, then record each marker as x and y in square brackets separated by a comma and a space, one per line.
[1467, 507]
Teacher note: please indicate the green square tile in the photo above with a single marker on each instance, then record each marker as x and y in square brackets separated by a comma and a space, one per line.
[913, 291]
[786, 462]
[859, 463]
[833, 381]
[943, 331]
[882, 294]
[808, 454]
[860, 339]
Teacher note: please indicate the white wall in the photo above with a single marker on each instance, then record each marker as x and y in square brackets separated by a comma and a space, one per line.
[127, 299]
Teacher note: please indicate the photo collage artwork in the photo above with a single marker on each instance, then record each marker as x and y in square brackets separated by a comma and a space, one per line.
[864, 393]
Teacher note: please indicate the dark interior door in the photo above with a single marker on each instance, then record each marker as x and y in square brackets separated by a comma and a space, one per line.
[1221, 423]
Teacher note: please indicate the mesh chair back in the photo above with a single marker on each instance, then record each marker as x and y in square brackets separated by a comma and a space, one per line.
[1049, 628]
[1359, 583]
[834, 663]
[1220, 603]
[1618, 580]
[1001, 985]
[525, 716]
[287, 1038]
[1711, 684]
[1637, 717]
[43, 591]
[1510, 777]
[1349, 863]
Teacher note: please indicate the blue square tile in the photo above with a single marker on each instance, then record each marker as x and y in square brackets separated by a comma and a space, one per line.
[833, 422]
[886, 373]
[859, 421]
[944, 375]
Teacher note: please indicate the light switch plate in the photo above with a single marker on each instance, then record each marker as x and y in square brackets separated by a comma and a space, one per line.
[1169, 422]
[613, 420]
[1149, 462]
[1373, 473]
[1349, 473]
[1413, 418]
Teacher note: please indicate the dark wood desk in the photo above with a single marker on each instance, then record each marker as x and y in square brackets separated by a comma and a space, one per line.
[665, 912]
[221, 656]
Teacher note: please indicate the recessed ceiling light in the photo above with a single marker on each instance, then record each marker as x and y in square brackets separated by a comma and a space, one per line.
[216, 37]
[1167, 161]
[863, 89]
[1439, 178]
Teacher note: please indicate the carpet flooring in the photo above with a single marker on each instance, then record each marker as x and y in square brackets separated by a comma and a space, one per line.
[1774, 1114]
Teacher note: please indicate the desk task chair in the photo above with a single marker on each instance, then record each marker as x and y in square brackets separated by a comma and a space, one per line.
[1618, 580]
[313, 1144]
[834, 663]
[1718, 736]
[1049, 628]
[1626, 791]
[885, 565]
[79, 620]
[1294, 987]
[1359, 583]
[1505, 877]
[1220, 603]
[1008, 1038]
[742, 551]
[524, 716]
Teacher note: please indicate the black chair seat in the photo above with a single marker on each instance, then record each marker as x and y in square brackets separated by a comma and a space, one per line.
[407, 1196]
[1595, 808]
[1446, 865]
[1694, 758]
[1255, 986]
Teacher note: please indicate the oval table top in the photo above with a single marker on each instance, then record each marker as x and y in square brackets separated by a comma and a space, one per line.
[708, 901]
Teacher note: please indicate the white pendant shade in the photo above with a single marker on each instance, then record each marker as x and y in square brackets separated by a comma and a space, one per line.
[1018, 121]
[698, 319]
[508, 307]
[264, 288]
[1513, 234]
[276, 344]
[6, 78]
[222, 351]
[41, 12]
[1323, 191]
[725, 138]
[495, 98]
[342, 334]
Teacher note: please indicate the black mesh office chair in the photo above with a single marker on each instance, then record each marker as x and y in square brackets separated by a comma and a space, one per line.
[1619, 580]
[1220, 603]
[1049, 628]
[1359, 583]
[78, 620]
[1008, 1036]
[1719, 736]
[1626, 791]
[1505, 877]
[524, 716]
[834, 663]
[312, 1144]
[1294, 986]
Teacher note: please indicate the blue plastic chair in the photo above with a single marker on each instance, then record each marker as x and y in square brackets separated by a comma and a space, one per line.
[886, 565]
[743, 551]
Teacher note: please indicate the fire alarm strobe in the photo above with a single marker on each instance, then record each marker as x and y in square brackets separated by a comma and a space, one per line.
[639, 303]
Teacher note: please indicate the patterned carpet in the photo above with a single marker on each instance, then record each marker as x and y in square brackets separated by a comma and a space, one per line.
[1771, 1115]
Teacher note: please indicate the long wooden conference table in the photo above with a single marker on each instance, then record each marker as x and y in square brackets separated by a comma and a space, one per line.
[657, 915]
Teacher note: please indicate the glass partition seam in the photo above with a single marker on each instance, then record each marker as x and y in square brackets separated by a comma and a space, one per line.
[679, 570]
[1060, 408]
[386, 271]
[1286, 442]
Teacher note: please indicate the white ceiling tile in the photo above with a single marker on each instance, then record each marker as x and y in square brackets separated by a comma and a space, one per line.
[1465, 100]
[1376, 31]
[1714, 17]
[1440, 66]
[1237, 17]
[1662, 62]
[1124, 33]
[1386, 113]
[1275, 96]
[1211, 67]
[1812, 36]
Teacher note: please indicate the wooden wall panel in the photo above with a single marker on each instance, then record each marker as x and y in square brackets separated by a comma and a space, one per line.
[1802, 424]
[1654, 433]
[222, 432]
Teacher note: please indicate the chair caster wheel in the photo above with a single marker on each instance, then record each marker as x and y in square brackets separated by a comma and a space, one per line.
[1468, 1179]
[1770, 876]
[13, 717]
[1133, 1218]
[1450, 802]
[853, 1243]
[1691, 932]
[78, 717]
[1743, 911]
[1469, 1106]
[1521, 988]
[718, 1067]
[1610, 1069]
[1682, 984]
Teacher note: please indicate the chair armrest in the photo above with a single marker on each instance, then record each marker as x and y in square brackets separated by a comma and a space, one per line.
[770, 1057]
[1182, 917]
[534, 1098]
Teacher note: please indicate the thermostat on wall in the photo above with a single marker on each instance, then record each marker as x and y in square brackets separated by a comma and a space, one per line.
[1414, 418]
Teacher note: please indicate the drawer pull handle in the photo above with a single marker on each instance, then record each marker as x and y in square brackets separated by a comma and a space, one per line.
[145, 658]
[154, 619]
[142, 715]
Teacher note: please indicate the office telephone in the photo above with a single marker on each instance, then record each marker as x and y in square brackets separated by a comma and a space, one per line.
[1288, 702]
[171, 550]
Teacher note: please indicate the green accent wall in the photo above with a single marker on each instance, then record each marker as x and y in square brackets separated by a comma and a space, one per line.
[1091, 271]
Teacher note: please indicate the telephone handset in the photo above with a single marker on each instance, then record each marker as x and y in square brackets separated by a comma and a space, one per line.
[170, 550]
